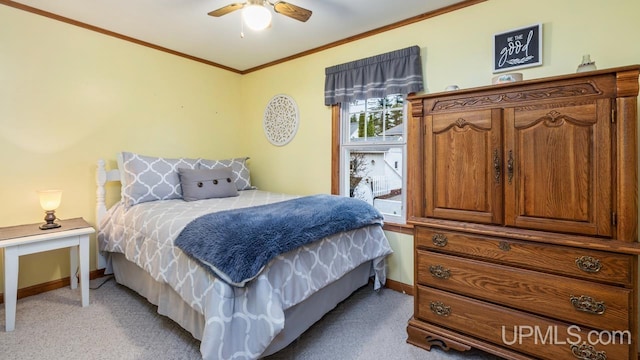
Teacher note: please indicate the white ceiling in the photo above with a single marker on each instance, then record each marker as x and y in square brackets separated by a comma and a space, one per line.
[183, 26]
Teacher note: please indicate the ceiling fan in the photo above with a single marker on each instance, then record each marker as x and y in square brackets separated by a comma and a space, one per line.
[280, 7]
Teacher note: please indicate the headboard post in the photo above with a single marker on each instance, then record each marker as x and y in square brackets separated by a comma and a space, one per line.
[101, 180]
[102, 177]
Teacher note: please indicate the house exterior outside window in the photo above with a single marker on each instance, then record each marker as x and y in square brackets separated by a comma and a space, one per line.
[372, 154]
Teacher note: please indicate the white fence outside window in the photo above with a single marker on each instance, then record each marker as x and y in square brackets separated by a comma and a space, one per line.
[380, 186]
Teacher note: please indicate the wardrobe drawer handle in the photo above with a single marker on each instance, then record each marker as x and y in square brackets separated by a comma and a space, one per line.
[588, 264]
[504, 246]
[586, 351]
[588, 304]
[439, 308]
[439, 272]
[439, 240]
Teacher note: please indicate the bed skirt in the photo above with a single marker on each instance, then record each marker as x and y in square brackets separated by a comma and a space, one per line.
[298, 318]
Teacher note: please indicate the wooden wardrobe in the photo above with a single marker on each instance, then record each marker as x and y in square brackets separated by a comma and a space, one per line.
[524, 201]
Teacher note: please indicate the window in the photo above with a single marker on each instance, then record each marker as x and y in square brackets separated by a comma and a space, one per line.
[368, 143]
[372, 145]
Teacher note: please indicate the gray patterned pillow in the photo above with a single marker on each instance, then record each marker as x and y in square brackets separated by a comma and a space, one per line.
[148, 178]
[241, 174]
[198, 184]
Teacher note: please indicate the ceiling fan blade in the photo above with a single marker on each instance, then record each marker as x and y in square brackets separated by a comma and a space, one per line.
[292, 11]
[227, 9]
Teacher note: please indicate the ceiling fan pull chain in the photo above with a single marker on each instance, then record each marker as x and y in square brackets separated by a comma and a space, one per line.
[241, 28]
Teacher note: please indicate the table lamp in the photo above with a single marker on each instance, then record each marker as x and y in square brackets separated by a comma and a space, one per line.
[50, 200]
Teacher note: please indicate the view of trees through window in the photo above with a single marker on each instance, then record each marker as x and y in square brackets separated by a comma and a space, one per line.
[375, 117]
[374, 145]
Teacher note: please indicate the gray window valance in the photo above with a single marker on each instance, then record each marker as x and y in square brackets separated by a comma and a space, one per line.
[396, 72]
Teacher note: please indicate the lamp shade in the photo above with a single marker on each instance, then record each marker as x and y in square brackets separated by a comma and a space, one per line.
[257, 17]
[50, 199]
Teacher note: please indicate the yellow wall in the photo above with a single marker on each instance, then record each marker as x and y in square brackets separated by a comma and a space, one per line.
[69, 96]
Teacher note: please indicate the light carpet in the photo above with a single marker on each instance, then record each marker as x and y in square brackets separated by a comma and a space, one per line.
[120, 324]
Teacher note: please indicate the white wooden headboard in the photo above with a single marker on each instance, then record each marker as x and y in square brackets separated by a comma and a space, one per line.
[103, 176]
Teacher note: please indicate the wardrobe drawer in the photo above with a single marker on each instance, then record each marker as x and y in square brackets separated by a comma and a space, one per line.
[575, 301]
[587, 264]
[535, 335]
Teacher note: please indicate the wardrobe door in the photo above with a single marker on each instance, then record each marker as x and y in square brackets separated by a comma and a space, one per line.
[558, 167]
[463, 166]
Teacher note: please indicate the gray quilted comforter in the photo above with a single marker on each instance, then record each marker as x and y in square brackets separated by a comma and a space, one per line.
[240, 322]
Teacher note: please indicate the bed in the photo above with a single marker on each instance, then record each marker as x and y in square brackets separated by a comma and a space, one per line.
[138, 241]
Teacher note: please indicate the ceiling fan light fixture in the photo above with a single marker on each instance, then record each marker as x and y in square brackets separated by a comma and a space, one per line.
[256, 17]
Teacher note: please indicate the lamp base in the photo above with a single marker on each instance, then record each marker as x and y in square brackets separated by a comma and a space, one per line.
[49, 218]
[49, 226]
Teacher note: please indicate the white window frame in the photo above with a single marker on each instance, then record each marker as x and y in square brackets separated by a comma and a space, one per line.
[346, 147]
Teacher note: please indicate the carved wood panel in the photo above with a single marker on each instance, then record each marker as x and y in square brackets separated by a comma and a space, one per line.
[464, 180]
[561, 167]
[509, 98]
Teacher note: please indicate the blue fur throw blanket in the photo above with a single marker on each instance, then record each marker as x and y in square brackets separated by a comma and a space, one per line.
[236, 245]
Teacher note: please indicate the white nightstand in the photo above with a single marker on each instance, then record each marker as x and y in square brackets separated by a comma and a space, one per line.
[29, 239]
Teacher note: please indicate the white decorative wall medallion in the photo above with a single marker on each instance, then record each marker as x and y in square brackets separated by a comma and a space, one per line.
[280, 120]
